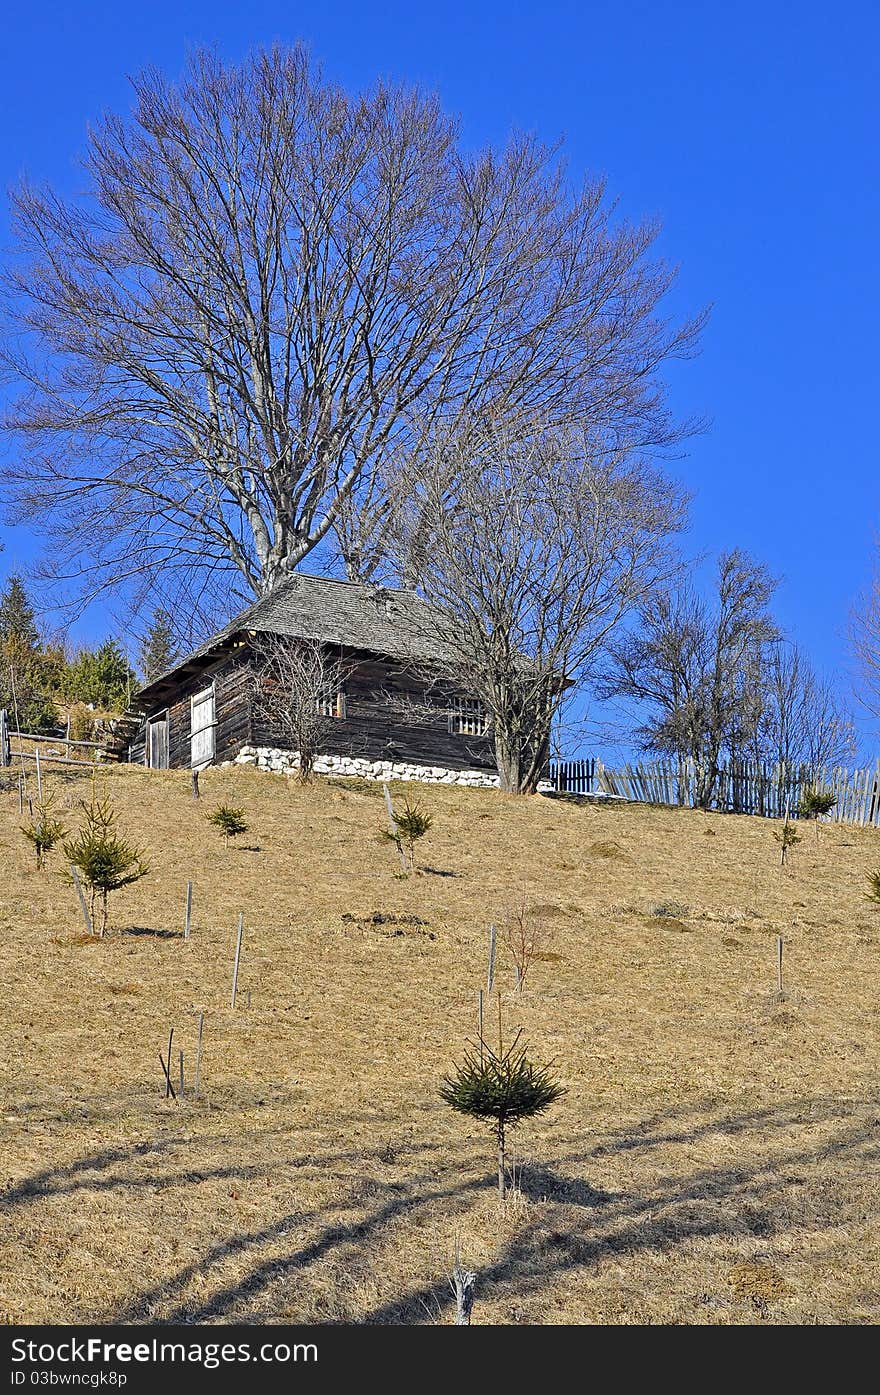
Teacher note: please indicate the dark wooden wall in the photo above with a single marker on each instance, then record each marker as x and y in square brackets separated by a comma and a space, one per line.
[378, 724]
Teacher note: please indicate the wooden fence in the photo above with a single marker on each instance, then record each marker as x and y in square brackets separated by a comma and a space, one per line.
[574, 776]
[59, 750]
[742, 787]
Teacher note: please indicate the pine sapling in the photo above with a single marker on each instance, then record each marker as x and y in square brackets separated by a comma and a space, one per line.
[816, 804]
[411, 824]
[873, 892]
[231, 822]
[43, 831]
[105, 860]
[787, 838]
[504, 1087]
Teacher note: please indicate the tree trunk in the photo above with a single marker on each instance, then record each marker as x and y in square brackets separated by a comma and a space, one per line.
[508, 764]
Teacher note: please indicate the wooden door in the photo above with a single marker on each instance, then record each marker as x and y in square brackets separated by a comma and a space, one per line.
[157, 742]
[202, 727]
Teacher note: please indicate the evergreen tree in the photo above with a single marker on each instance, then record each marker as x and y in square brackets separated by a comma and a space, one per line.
[24, 675]
[18, 625]
[101, 676]
[158, 650]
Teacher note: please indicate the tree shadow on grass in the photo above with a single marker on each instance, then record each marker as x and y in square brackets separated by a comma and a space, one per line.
[569, 1226]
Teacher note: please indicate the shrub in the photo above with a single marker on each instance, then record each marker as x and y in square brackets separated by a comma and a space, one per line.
[505, 1088]
[410, 825]
[873, 892]
[105, 860]
[231, 822]
[525, 937]
[82, 723]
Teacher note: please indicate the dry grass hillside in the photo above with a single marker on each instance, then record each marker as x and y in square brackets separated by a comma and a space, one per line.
[713, 1161]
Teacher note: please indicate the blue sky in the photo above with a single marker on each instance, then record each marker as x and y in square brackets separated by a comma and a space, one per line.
[750, 131]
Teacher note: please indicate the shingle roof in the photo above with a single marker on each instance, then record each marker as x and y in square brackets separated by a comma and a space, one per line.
[378, 619]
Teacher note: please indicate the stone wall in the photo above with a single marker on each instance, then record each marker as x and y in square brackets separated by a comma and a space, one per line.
[282, 762]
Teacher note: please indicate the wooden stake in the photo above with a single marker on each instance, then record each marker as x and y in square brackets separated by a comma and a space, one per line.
[189, 906]
[194, 785]
[392, 826]
[199, 1054]
[779, 961]
[180, 1054]
[490, 977]
[168, 1072]
[82, 900]
[480, 1011]
[463, 1281]
[237, 956]
[39, 778]
[500, 1039]
[20, 796]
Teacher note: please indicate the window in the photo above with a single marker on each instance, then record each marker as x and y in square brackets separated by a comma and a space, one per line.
[468, 717]
[331, 705]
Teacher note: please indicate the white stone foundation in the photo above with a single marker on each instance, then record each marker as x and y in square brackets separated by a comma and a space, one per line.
[284, 762]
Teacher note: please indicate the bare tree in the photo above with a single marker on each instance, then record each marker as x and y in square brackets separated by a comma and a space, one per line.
[270, 291]
[297, 686]
[530, 549]
[525, 936]
[688, 663]
[802, 720]
[865, 639]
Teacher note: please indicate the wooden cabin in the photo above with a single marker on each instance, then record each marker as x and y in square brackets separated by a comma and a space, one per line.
[394, 707]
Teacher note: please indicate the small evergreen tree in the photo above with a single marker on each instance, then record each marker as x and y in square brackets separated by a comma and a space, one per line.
[231, 822]
[815, 804]
[411, 824]
[158, 651]
[43, 831]
[788, 838]
[505, 1087]
[105, 860]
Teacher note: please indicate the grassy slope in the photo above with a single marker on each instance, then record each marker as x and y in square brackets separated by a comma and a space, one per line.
[713, 1160]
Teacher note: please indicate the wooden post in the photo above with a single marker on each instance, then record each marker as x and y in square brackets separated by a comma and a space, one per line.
[490, 977]
[39, 777]
[5, 754]
[199, 1055]
[779, 961]
[82, 900]
[188, 914]
[237, 956]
